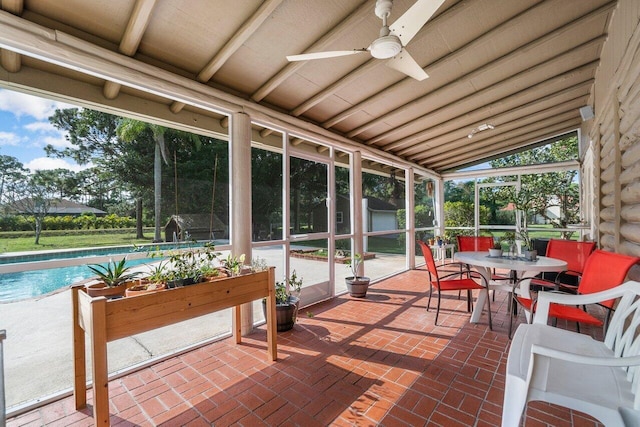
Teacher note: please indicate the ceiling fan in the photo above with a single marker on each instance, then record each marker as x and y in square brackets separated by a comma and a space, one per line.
[393, 38]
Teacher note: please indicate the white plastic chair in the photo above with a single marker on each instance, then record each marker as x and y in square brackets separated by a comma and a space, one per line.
[563, 367]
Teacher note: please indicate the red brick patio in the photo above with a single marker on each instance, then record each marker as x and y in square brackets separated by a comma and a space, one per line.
[365, 362]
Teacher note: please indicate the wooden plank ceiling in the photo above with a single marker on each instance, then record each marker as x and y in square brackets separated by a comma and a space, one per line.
[524, 66]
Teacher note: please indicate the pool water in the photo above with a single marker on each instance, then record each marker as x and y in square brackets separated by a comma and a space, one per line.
[30, 284]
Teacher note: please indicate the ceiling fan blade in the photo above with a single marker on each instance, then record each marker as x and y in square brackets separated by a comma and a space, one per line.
[408, 25]
[322, 55]
[404, 63]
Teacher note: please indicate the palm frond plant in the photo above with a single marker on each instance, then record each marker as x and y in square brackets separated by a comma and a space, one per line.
[114, 273]
[112, 278]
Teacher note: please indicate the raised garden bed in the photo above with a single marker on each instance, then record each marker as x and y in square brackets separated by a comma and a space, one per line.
[321, 255]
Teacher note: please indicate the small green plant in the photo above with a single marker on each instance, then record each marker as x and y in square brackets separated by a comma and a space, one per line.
[527, 243]
[258, 264]
[354, 264]
[497, 243]
[288, 288]
[158, 273]
[233, 264]
[114, 273]
[188, 264]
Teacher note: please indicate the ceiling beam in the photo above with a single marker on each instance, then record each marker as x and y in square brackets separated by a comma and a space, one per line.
[524, 144]
[457, 8]
[516, 138]
[351, 77]
[582, 74]
[531, 72]
[480, 142]
[483, 173]
[137, 25]
[11, 61]
[468, 49]
[460, 142]
[502, 108]
[347, 24]
[240, 36]
[368, 66]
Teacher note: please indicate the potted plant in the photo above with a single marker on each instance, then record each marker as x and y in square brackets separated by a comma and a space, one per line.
[233, 264]
[356, 285]
[113, 279]
[287, 302]
[528, 252]
[156, 281]
[496, 250]
[186, 265]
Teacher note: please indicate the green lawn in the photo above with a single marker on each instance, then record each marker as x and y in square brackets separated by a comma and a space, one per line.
[48, 242]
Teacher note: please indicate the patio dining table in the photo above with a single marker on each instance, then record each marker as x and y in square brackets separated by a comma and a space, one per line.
[484, 264]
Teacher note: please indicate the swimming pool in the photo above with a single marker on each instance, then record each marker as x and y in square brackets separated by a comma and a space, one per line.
[52, 270]
[34, 283]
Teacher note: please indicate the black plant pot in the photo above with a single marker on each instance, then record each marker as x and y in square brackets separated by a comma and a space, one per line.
[357, 286]
[286, 314]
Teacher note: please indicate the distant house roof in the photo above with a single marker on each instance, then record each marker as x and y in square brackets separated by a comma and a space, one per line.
[68, 207]
[375, 204]
[59, 207]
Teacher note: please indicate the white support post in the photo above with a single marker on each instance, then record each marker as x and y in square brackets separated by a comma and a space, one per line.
[240, 203]
[356, 205]
[439, 209]
[410, 218]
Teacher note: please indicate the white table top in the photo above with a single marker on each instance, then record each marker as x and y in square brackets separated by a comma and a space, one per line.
[482, 259]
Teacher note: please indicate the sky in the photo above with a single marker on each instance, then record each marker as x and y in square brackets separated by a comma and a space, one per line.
[25, 131]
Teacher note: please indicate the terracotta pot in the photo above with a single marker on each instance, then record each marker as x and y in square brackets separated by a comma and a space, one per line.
[144, 288]
[222, 274]
[101, 290]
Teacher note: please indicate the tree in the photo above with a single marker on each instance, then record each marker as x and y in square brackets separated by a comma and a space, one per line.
[129, 130]
[11, 170]
[554, 189]
[33, 196]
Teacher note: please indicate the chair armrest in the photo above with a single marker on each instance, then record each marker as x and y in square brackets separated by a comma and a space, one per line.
[546, 298]
[549, 283]
[612, 361]
[461, 265]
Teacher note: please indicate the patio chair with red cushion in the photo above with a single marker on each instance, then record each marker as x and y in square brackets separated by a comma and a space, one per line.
[603, 270]
[447, 283]
[474, 243]
[575, 254]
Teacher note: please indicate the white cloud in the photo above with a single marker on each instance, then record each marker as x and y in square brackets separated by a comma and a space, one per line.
[56, 142]
[9, 138]
[47, 163]
[20, 104]
[42, 127]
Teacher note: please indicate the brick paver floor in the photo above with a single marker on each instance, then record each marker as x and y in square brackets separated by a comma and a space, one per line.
[365, 362]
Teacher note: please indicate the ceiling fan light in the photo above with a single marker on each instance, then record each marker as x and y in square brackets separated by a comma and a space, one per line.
[385, 47]
[482, 127]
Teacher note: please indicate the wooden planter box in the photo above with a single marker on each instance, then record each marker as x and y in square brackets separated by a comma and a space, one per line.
[107, 320]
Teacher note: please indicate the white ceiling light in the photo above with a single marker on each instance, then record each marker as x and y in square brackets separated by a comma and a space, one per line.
[482, 127]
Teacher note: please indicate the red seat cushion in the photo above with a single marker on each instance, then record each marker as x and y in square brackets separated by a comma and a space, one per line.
[569, 313]
[458, 284]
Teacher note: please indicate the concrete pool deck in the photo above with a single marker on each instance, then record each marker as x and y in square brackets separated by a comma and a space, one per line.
[38, 349]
